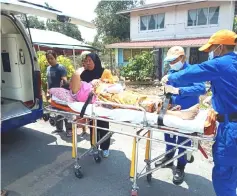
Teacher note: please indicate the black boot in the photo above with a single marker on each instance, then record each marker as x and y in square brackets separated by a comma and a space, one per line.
[165, 159]
[179, 174]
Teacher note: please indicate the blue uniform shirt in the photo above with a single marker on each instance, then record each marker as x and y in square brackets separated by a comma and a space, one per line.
[55, 74]
[188, 92]
[222, 72]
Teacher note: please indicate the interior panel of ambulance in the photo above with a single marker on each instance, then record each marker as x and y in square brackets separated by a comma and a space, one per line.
[17, 93]
[21, 100]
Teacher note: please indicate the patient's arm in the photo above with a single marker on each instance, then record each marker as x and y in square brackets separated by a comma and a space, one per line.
[187, 114]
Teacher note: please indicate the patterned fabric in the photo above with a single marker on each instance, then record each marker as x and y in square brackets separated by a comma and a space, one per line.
[149, 103]
[62, 94]
[83, 93]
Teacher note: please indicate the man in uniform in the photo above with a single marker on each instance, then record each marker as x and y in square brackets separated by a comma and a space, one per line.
[185, 95]
[221, 70]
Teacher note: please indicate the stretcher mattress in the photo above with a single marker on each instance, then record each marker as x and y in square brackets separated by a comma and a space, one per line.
[204, 123]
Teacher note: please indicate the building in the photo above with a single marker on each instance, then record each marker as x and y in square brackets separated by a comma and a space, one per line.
[162, 25]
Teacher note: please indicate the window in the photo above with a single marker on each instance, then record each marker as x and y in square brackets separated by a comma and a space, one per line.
[6, 62]
[135, 52]
[213, 15]
[127, 53]
[143, 23]
[203, 16]
[152, 22]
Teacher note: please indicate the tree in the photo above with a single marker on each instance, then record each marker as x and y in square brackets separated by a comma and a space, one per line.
[33, 22]
[110, 24]
[68, 29]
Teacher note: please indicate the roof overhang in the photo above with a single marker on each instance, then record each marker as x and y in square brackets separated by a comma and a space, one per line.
[63, 46]
[159, 5]
[191, 42]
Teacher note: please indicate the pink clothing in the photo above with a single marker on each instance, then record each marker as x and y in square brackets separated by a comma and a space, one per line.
[62, 94]
[83, 93]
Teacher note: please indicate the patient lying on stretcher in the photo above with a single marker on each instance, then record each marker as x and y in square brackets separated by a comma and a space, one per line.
[107, 92]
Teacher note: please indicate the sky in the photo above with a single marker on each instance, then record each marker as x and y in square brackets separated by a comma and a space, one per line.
[83, 9]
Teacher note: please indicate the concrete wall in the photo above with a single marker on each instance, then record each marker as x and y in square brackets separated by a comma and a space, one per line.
[176, 18]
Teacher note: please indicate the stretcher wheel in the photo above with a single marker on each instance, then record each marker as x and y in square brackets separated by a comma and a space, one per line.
[191, 159]
[148, 177]
[78, 173]
[134, 193]
[97, 159]
[45, 117]
[52, 122]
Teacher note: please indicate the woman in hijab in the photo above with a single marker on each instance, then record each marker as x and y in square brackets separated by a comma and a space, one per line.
[93, 70]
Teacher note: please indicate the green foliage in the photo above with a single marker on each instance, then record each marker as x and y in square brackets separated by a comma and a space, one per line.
[68, 29]
[33, 21]
[139, 68]
[111, 24]
[235, 25]
[65, 61]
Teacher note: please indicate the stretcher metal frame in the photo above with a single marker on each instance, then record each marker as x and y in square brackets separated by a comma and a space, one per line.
[144, 131]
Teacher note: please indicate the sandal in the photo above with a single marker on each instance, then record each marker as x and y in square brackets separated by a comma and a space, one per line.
[4, 193]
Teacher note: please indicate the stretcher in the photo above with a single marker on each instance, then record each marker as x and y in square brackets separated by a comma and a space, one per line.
[145, 125]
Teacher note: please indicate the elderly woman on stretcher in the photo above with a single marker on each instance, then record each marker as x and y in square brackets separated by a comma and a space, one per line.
[108, 90]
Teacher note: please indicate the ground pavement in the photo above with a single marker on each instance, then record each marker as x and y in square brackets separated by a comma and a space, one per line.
[38, 163]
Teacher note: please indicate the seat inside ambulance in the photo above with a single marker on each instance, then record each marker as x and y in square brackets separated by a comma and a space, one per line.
[17, 93]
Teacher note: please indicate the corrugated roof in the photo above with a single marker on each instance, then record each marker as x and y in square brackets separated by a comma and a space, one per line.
[160, 43]
[43, 37]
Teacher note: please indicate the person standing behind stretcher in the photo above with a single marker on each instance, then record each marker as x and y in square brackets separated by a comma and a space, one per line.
[93, 70]
[186, 96]
[56, 76]
[221, 70]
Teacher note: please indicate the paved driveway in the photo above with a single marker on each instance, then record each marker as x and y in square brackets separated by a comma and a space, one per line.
[38, 163]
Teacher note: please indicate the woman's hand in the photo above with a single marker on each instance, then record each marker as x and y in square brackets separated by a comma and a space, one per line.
[95, 82]
[80, 70]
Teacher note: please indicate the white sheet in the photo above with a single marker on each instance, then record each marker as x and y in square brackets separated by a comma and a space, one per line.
[133, 116]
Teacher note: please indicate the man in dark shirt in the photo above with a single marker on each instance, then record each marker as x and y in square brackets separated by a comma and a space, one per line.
[56, 76]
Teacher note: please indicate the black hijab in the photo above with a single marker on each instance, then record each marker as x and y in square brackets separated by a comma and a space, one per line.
[96, 73]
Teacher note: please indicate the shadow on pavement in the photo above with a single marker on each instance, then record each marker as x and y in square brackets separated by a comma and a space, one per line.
[32, 167]
[197, 186]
